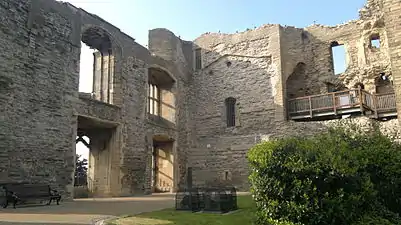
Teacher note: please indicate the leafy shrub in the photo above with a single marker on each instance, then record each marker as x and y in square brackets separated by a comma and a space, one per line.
[370, 220]
[338, 177]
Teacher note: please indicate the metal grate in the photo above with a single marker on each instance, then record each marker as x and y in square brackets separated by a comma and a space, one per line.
[213, 199]
[188, 200]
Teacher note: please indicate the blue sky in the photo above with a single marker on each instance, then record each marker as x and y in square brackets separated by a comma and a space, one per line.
[189, 19]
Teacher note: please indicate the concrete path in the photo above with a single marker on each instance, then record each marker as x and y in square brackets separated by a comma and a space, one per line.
[84, 211]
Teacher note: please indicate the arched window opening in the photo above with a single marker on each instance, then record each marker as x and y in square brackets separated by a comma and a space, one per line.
[230, 111]
[359, 85]
[383, 84]
[97, 72]
[161, 98]
[296, 83]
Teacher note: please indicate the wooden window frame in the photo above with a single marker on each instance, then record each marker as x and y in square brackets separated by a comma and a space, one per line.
[154, 101]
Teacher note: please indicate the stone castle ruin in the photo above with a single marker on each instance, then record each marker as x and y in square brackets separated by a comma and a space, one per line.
[156, 111]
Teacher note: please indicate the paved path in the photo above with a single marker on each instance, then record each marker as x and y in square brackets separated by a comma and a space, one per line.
[84, 211]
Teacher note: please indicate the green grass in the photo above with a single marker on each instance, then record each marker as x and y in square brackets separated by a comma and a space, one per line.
[244, 216]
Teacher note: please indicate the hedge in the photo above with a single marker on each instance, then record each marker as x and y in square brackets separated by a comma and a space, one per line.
[343, 176]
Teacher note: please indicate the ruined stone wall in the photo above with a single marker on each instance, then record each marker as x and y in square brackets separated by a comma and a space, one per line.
[40, 42]
[300, 64]
[392, 10]
[39, 85]
[245, 66]
[364, 62]
[38, 80]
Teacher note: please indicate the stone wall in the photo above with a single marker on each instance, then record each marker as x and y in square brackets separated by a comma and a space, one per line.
[245, 66]
[260, 68]
[39, 89]
[391, 11]
[298, 62]
[364, 62]
[38, 77]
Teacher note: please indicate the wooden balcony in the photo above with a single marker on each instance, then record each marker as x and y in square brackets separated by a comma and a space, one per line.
[335, 104]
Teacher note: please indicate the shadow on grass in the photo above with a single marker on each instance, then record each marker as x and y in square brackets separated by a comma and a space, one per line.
[245, 215]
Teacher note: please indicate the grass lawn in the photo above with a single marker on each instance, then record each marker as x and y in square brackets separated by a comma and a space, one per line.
[171, 217]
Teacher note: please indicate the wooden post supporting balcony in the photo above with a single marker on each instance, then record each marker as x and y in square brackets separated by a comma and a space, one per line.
[333, 96]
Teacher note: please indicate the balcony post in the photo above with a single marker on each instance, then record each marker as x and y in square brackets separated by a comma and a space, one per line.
[374, 97]
[360, 100]
[334, 103]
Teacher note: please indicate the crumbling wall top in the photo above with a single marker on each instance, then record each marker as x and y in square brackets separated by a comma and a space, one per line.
[371, 9]
[210, 40]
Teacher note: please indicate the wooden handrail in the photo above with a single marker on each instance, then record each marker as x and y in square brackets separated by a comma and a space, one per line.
[388, 93]
[318, 95]
[353, 98]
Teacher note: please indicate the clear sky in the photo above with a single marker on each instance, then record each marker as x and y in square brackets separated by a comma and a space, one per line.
[191, 18]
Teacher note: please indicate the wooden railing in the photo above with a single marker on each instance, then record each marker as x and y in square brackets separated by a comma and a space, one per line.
[341, 101]
[385, 102]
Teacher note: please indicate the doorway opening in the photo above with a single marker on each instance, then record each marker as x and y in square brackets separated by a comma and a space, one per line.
[94, 175]
[81, 166]
[162, 164]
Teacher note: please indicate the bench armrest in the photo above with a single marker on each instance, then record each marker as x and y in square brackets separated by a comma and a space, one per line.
[54, 192]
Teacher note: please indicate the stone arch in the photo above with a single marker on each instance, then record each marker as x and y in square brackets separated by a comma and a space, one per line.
[155, 66]
[296, 83]
[115, 44]
[359, 85]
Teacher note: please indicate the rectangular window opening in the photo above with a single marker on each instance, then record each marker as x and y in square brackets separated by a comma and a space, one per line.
[198, 59]
[154, 100]
[226, 175]
[339, 58]
[230, 110]
[375, 43]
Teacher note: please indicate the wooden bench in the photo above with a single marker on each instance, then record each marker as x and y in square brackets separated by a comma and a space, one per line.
[21, 193]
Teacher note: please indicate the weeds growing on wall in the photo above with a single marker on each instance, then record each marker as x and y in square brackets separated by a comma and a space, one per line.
[347, 175]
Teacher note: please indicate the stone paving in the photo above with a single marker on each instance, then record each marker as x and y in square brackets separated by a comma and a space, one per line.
[84, 211]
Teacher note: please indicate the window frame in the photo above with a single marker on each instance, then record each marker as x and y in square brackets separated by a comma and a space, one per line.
[154, 99]
[230, 105]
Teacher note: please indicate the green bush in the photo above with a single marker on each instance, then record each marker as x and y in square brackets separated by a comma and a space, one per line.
[370, 220]
[338, 177]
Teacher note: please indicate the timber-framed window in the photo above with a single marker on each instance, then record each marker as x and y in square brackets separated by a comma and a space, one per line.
[154, 99]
